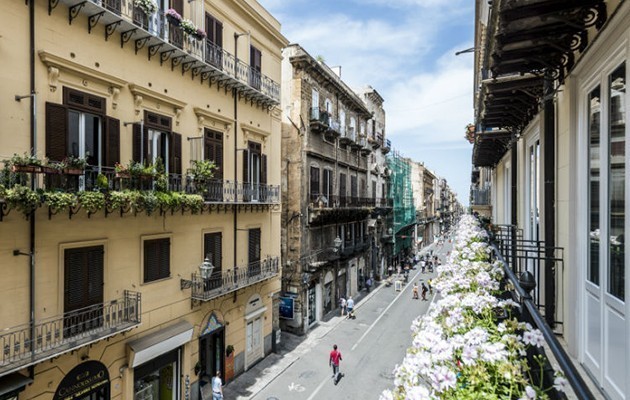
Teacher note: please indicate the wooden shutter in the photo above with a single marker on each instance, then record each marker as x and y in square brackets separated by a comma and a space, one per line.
[156, 259]
[245, 166]
[178, 5]
[342, 185]
[255, 58]
[263, 168]
[84, 101]
[56, 131]
[353, 186]
[254, 246]
[325, 183]
[175, 155]
[111, 145]
[212, 245]
[213, 151]
[314, 181]
[83, 277]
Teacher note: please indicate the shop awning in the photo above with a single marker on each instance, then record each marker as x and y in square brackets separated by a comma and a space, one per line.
[12, 384]
[158, 343]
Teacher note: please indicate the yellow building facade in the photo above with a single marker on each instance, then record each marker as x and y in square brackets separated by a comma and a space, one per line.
[129, 272]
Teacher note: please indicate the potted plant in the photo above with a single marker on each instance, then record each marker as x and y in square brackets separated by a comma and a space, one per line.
[229, 362]
[121, 171]
[147, 6]
[74, 165]
[202, 172]
[173, 17]
[102, 183]
[188, 27]
[59, 201]
[23, 199]
[200, 34]
[25, 163]
[92, 201]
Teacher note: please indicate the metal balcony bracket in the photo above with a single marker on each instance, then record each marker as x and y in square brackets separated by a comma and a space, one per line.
[111, 28]
[4, 210]
[93, 20]
[73, 11]
[153, 49]
[165, 55]
[126, 36]
[187, 66]
[185, 284]
[73, 210]
[196, 71]
[175, 61]
[205, 75]
[141, 42]
[52, 4]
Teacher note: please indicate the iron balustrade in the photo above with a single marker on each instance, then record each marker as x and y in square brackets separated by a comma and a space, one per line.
[224, 282]
[480, 197]
[529, 312]
[334, 201]
[60, 334]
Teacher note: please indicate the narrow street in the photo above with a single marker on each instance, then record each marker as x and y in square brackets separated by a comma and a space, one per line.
[371, 345]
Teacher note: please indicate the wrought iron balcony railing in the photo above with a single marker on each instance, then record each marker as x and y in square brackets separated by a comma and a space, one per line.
[168, 42]
[335, 201]
[224, 282]
[518, 272]
[67, 332]
[387, 146]
[319, 120]
[480, 197]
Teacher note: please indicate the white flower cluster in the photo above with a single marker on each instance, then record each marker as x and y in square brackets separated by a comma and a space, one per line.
[461, 349]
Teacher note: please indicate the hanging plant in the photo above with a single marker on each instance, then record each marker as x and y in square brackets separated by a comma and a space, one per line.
[193, 202]
[188, 27]
[470, 133]
[119, 199]
[92, 201]
[173, 17]
[23, 199]
[148, 6]
[59, 201]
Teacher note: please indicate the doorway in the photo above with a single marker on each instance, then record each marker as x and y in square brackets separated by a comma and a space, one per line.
[212, 353]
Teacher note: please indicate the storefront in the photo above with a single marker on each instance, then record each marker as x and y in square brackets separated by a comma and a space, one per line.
[86, 381]
[212, 349]
[328, 292]
[156, 362]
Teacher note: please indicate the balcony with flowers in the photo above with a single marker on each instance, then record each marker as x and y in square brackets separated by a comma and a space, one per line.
[172, 39]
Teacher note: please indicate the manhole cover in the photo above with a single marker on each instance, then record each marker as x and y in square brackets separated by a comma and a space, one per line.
[272, 398]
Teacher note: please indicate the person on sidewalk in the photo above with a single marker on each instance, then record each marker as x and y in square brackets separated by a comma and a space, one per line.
[430, 287]
[333, 361]
[425, 289]
[342, 305]
[350, 306]
[217, 387]
[415, 291]
[368, 284]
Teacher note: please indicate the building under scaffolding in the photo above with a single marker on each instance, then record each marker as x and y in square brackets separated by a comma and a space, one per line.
[404, 212]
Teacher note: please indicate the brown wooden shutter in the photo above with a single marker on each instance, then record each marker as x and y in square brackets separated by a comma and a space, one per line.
[175, 161]
[138, 139]
[212, 246]
[342, 185]
[56, 131]
[95, 274]
[111, 145]
[218, 32]
[156, 259]
[178, 5]
[314, 181]
[254, 246]
[245, 166]
[83, 277]
[255, 58]
[263, 168]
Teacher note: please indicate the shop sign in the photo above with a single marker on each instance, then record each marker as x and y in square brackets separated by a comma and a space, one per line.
[82, 380]
[286, 307]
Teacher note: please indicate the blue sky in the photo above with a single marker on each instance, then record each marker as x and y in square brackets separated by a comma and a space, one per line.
[405, 49]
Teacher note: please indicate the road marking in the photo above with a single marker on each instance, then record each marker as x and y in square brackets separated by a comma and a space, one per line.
[317, 389]
[296, 387]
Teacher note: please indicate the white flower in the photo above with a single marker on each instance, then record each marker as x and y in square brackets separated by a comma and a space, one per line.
[530, 394]
[560, 384]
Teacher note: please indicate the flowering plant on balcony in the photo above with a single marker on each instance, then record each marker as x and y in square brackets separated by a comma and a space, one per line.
[148, 6]
[468, 345]
[188, 27]
[470, 133]
[200, 34]
[173, 16]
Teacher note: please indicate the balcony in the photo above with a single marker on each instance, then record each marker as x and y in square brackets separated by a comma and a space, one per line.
[319, 120]
[387, 146]
[67, 332]
[169, 44]
[334, 129]
[364, 147]
[224, 282]
[347, 135]
[480, 197]
[374, 142]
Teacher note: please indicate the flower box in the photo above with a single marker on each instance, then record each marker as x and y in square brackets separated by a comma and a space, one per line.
[26, 168]
[73, 171]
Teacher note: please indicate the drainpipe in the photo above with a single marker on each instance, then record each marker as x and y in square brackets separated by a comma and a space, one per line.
[550, 212]
[514, 205]
[31, 17]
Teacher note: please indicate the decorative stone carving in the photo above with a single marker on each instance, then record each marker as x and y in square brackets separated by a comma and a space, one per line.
[115, 93]
[137, 102]
[53, 78]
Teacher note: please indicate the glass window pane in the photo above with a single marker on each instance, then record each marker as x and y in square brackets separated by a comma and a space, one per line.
[92, 128]
[594, 113]
[73, 133]
[616, 182]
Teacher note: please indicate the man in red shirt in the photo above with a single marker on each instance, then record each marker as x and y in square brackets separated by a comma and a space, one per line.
[335, 357]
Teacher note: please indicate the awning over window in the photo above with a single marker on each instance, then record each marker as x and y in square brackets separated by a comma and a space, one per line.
[12, 384]
[158, 343]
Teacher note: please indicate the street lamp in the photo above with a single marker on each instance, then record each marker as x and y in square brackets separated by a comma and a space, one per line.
[206, 268]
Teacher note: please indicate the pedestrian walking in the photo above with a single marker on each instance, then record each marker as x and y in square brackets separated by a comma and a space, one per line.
[368, 284]
[333, 361]
[430, 287]
[217, 387]
[350, 307]
[425, 289]
[415, 291]
[342, 305]
[390, 270]
[423, 265]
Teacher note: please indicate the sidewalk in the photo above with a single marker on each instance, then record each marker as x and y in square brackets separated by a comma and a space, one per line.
[292, 348]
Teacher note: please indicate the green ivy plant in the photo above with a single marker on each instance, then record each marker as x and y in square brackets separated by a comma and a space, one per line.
[102, 182]
[118, 199]
[148, 202]
[23, 199]
[193, 202]
[202, 172]
[73, 162]
[59, 201]
[92, 201]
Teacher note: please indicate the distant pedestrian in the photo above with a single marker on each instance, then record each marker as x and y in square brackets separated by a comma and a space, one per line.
[430, 287]
[333, 361]
[368, 284]
[217, 387]
[342, 305]
[415, 291]
[425, 289]
[350, 307]
[390, 270]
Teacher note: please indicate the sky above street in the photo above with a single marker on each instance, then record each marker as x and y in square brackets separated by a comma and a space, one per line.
[405, 49]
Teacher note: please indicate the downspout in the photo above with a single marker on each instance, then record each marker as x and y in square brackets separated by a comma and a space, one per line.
[550, 211]
[31, 17]
[514, 200]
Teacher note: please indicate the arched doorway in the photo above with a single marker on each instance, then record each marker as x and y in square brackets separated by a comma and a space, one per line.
[211, 350]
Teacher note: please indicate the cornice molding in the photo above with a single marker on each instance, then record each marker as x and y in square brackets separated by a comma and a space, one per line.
[140, 93]
[203, 115]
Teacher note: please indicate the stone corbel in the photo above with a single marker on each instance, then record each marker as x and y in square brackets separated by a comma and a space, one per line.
[137, 103]
[178, 113]
[115, 93]
[200, 120]
[53, 78]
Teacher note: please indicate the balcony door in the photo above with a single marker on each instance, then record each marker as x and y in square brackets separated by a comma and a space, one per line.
[533, 190]
[83, 289]
[606, 338]
[253, 253]
[212, 250]
[214, 42]
[254, 172]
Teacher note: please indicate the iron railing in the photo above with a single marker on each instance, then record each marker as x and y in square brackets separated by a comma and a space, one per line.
[480, 197]
[223, 282]
[334, 201]
[67, 332]
[529, 312]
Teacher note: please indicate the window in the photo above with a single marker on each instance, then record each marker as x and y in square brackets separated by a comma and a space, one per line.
[314, 183]
[534, 195]
[594, 108]
[83, 289]
[212, 250]
[327, 184]
[80, 128]
[213, 150]
[255, 63]
[342, 122]
[157, 141]
[315, 105]
[343, 192]
[353, 129]
[253, 252]
[214, 41]
[157, 259]
[328, 106]
[353, 186]
[616, 182]
[254, 172]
